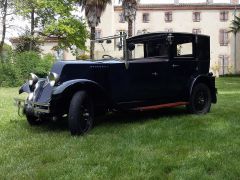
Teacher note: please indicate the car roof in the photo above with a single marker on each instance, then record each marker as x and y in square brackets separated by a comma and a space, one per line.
[159, 34]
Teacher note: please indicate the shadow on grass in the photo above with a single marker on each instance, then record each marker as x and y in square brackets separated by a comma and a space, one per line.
[113, 119]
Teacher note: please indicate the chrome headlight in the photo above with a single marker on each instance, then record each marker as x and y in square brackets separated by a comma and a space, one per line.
[53, 78]
[32, 79]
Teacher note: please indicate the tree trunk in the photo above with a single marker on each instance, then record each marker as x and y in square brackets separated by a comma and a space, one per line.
[130, 28]
[4, 19]
[92, 44]
[235, 53]
[130, 33]
[32, 28]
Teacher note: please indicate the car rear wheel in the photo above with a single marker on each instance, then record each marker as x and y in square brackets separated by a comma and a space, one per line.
[200, 100]
[80, 117]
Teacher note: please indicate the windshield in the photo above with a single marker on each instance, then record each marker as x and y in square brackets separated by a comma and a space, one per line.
[110, 48]
[117, 48]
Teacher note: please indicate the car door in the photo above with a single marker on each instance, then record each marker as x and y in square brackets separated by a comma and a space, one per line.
[183, 65]
[144, 80]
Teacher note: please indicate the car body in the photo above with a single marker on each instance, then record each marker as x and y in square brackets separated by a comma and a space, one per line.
[157, 70]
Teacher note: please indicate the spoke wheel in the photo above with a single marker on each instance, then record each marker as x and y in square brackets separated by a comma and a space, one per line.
[200, 100]
[80, 113]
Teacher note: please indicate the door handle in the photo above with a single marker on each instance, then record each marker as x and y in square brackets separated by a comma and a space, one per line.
[155, 74]
[174, 65]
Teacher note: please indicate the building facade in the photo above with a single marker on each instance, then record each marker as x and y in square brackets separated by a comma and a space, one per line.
[47, 47]
[203, 18]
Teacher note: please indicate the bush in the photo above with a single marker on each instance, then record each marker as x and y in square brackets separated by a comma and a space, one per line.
[10, 76]
[16, 72]
[44, 65]
[30, 61]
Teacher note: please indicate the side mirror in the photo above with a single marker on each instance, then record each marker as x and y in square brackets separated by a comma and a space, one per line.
[131, 46]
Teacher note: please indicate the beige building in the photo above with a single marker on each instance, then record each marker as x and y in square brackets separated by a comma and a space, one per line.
[48, 48]
[204, 18]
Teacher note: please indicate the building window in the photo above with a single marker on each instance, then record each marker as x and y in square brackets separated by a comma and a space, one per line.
[223, 64]
[196, 31]
[168, 16]
[223, 37]
[168, 30]
[121, 18]
[224, 16]
[145, 18]
[196, 16]
[98, 34]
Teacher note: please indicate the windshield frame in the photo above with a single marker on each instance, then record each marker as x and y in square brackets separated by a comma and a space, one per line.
[124, 39]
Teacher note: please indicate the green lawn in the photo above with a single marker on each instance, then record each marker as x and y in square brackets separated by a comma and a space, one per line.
[162, 144]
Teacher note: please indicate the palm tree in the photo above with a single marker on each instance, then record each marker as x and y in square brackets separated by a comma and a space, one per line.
[93, 12]
[129, 12]
[235, 28]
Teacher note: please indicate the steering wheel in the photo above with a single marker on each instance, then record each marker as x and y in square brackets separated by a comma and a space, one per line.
[108, 56]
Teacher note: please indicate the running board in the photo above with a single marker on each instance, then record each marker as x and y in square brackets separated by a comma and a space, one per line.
[155, 107]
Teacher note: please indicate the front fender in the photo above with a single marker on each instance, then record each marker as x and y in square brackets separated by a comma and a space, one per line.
[75, 84]
[24, 88]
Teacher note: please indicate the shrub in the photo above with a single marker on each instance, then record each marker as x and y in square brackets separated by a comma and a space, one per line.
[14, 72]
[30, 61]
[44, 65]
[10, 76]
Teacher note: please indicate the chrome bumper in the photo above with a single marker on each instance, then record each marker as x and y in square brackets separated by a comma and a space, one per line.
[35, 106]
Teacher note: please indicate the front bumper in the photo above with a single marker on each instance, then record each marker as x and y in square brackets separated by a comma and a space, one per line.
[35, 107]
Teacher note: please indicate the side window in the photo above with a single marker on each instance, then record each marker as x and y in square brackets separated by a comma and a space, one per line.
[138, 52]
[183, 47]
[157, 48]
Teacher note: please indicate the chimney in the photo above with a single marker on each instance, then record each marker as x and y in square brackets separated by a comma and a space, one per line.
[209, 1]
[176, 2]
[234, 1]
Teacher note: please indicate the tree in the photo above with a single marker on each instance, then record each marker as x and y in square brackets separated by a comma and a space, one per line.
[71, 33]
[235, 28]
[54, 18]
[93, 12]
[235, 25]
[129, 13]
[6, 7]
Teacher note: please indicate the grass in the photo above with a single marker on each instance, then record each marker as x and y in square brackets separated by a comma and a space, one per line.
[165, 144]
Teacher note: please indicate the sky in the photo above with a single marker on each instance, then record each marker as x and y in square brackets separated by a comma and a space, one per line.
[181, 1]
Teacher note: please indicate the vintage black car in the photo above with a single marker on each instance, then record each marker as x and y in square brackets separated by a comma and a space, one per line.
[155, 70]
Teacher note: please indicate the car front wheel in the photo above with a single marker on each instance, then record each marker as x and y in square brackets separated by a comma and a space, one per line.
[80, 117]
[200, 99]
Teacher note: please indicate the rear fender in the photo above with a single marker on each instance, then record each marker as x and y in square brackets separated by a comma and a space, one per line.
[209, 81]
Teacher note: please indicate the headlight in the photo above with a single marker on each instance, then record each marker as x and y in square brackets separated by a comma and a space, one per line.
[32, 79]
[53, 78]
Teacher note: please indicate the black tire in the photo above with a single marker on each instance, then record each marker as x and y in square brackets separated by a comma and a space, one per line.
[80, 117]
[200, 99]
[32, 120]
